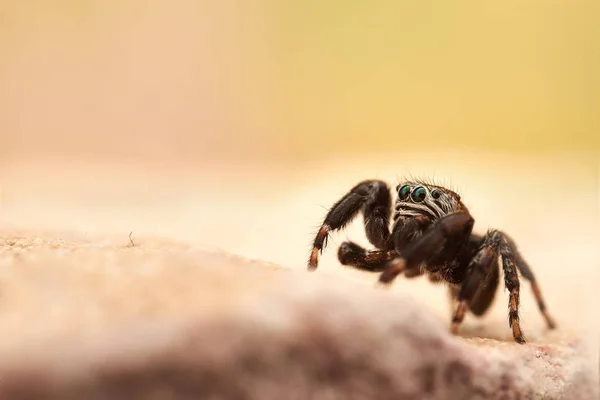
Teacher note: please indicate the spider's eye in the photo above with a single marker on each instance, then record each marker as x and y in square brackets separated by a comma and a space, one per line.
[436, 193]
[419, 194]
[404, 192]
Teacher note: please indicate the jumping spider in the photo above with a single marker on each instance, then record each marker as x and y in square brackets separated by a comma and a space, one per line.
[431, 234]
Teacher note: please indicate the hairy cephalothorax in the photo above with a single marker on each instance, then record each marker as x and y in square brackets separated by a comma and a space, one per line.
[431, 233]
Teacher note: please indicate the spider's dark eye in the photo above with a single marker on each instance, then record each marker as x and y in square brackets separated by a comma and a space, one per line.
[419, 194]
[436, 193]
[404, 192]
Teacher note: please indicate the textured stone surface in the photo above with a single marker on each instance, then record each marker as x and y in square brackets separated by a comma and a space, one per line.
[159, 320]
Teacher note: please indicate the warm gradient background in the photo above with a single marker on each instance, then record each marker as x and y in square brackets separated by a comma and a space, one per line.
[235, 123]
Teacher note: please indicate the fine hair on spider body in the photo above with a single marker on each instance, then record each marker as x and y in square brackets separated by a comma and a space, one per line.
[428, 230]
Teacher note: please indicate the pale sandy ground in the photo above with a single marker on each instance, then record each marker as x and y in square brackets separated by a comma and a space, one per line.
[550, 207]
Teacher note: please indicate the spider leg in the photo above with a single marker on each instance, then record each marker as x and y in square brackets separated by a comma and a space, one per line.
[479, 269]
[478, 272]
[374, 198]
[351, 254]
[527, 273]
[453, 291]
[511, 281]
[447, 231]
[485, 295]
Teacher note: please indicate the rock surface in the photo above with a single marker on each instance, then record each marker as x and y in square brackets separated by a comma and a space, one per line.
[160, 320]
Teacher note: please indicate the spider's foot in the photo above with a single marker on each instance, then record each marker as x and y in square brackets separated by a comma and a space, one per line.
[459, 316]
[518, 333]
[319, 244]
[520, 339]
[542, 306]
[549, 320]
[395, 268]
[313, 261]
[454, 328]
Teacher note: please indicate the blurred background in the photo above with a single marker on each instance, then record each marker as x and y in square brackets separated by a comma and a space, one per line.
[236, 124]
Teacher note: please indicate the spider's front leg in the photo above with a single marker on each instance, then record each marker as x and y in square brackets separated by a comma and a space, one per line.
[451, 230]
[352, 254]
[478, 271]
[374, 198]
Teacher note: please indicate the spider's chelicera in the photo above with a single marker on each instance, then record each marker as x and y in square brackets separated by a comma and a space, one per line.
[431, 233]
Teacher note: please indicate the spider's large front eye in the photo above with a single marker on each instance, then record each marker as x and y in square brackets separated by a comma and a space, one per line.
[404, 192]
[419, 194]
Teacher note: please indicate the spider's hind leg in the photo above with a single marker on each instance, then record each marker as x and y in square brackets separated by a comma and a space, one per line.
[374, 198]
